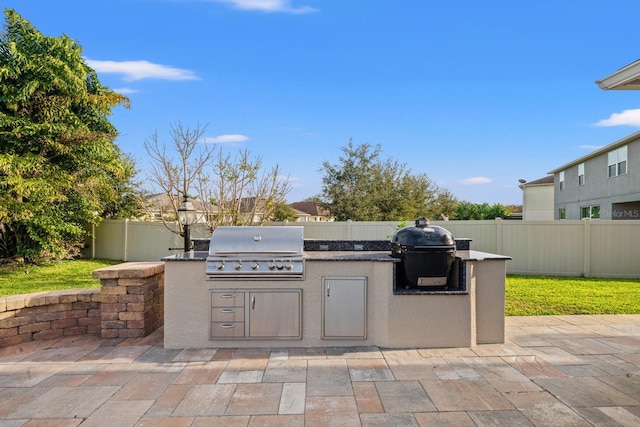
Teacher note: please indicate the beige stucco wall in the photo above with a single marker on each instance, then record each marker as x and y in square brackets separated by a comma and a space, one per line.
[393, 321]
[537, 203]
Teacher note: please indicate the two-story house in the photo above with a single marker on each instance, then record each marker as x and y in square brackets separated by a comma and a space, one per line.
[604, 184]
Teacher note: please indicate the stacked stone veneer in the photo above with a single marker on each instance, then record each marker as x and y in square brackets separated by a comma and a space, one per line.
[46, 315]
[130, 303]
[132, 299]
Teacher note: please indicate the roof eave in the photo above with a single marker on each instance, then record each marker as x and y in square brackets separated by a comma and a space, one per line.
[626, 78]
[596, 153]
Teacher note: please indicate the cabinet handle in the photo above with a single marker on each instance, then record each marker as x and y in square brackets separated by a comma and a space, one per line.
[228, 325]
[253, 302]
[228, 310]
[227, 296]
[328, 290]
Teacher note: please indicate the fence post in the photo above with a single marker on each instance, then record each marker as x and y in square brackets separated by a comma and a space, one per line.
[125, 244]
[349, 230]
[93, 241]
[586, 249]
[498, 235]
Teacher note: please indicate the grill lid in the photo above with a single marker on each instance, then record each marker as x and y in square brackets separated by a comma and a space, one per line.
[421, 236]
[281, 241]
[256, 252]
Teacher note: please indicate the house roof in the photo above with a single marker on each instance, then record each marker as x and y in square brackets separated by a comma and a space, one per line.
[312, 208]
[606, 148]
[626, 78]
[541, 181]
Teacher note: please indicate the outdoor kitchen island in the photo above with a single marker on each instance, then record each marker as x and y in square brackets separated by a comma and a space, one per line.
[345, 298]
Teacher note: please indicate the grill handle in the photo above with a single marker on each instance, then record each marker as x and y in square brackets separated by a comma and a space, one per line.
[228, 325]
[253, 302]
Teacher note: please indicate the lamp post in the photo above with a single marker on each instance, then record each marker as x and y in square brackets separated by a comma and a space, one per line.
[186, 216]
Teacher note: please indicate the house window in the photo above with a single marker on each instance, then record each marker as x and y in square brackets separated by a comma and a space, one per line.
[562, 213]
[592, 212]
[581, 174]
[561, 180]
[617, 162]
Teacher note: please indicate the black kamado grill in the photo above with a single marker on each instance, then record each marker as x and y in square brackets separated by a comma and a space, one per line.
[427, 253]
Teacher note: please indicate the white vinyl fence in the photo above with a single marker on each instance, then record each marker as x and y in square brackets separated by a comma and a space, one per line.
[575, 248]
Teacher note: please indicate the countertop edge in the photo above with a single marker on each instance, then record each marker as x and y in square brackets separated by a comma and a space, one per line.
[378, 256]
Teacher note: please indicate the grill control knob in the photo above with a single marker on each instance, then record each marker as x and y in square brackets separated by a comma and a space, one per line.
[272, 266]
[280, 266]
[238, 265]
[221, 265]
[255, 266]
[289, 266]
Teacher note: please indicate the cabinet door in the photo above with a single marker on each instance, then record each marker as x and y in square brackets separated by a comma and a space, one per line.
[275, 314]
[344, 307]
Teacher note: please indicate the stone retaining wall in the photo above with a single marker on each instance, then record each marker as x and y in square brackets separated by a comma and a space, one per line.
[46, 315]
[130, 303]
[132, 297]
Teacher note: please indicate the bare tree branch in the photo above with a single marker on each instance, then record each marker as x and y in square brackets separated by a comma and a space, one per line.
[174, 178]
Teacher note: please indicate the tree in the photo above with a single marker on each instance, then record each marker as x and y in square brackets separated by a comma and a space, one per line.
[362, 187]
[59, 167]
[174, 178]
[231, 191]
[444, 205]
[283, 212]
[242, 192]
[479, 211]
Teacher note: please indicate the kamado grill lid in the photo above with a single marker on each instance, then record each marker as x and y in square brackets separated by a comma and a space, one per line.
[421, 236]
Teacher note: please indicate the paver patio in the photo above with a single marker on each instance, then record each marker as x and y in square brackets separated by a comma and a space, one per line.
[551, 371]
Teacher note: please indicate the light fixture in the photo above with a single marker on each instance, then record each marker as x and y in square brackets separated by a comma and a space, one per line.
[186, 216]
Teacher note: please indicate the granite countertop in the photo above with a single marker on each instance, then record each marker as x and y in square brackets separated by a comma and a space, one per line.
[471, 255]
[307, 255]
[187, 256]
[383, 256]
[349, 256]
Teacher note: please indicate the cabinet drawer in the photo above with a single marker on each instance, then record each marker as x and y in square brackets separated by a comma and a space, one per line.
[227, 314]
[227, 329]
[227, 299]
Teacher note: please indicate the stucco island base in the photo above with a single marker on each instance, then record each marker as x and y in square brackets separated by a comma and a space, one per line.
[447, 319]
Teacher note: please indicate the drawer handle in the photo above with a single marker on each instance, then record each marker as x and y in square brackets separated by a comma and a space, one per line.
[227, 296]
[228, 325]
[228, 310]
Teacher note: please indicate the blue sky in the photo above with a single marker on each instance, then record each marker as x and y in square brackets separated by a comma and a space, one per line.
[475, 94]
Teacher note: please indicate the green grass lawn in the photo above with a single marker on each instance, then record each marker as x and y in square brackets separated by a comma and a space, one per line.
[60, 275]
[541, 295]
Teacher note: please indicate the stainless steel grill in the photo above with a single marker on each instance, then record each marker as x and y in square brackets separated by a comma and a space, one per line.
[256, 253]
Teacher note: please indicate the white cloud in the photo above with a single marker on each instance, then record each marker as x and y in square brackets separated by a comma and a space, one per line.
[476, 180]
[293, 181]
[125, 90]
[269, 6]
[224, 139]
[139, 70]
[626, 118]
